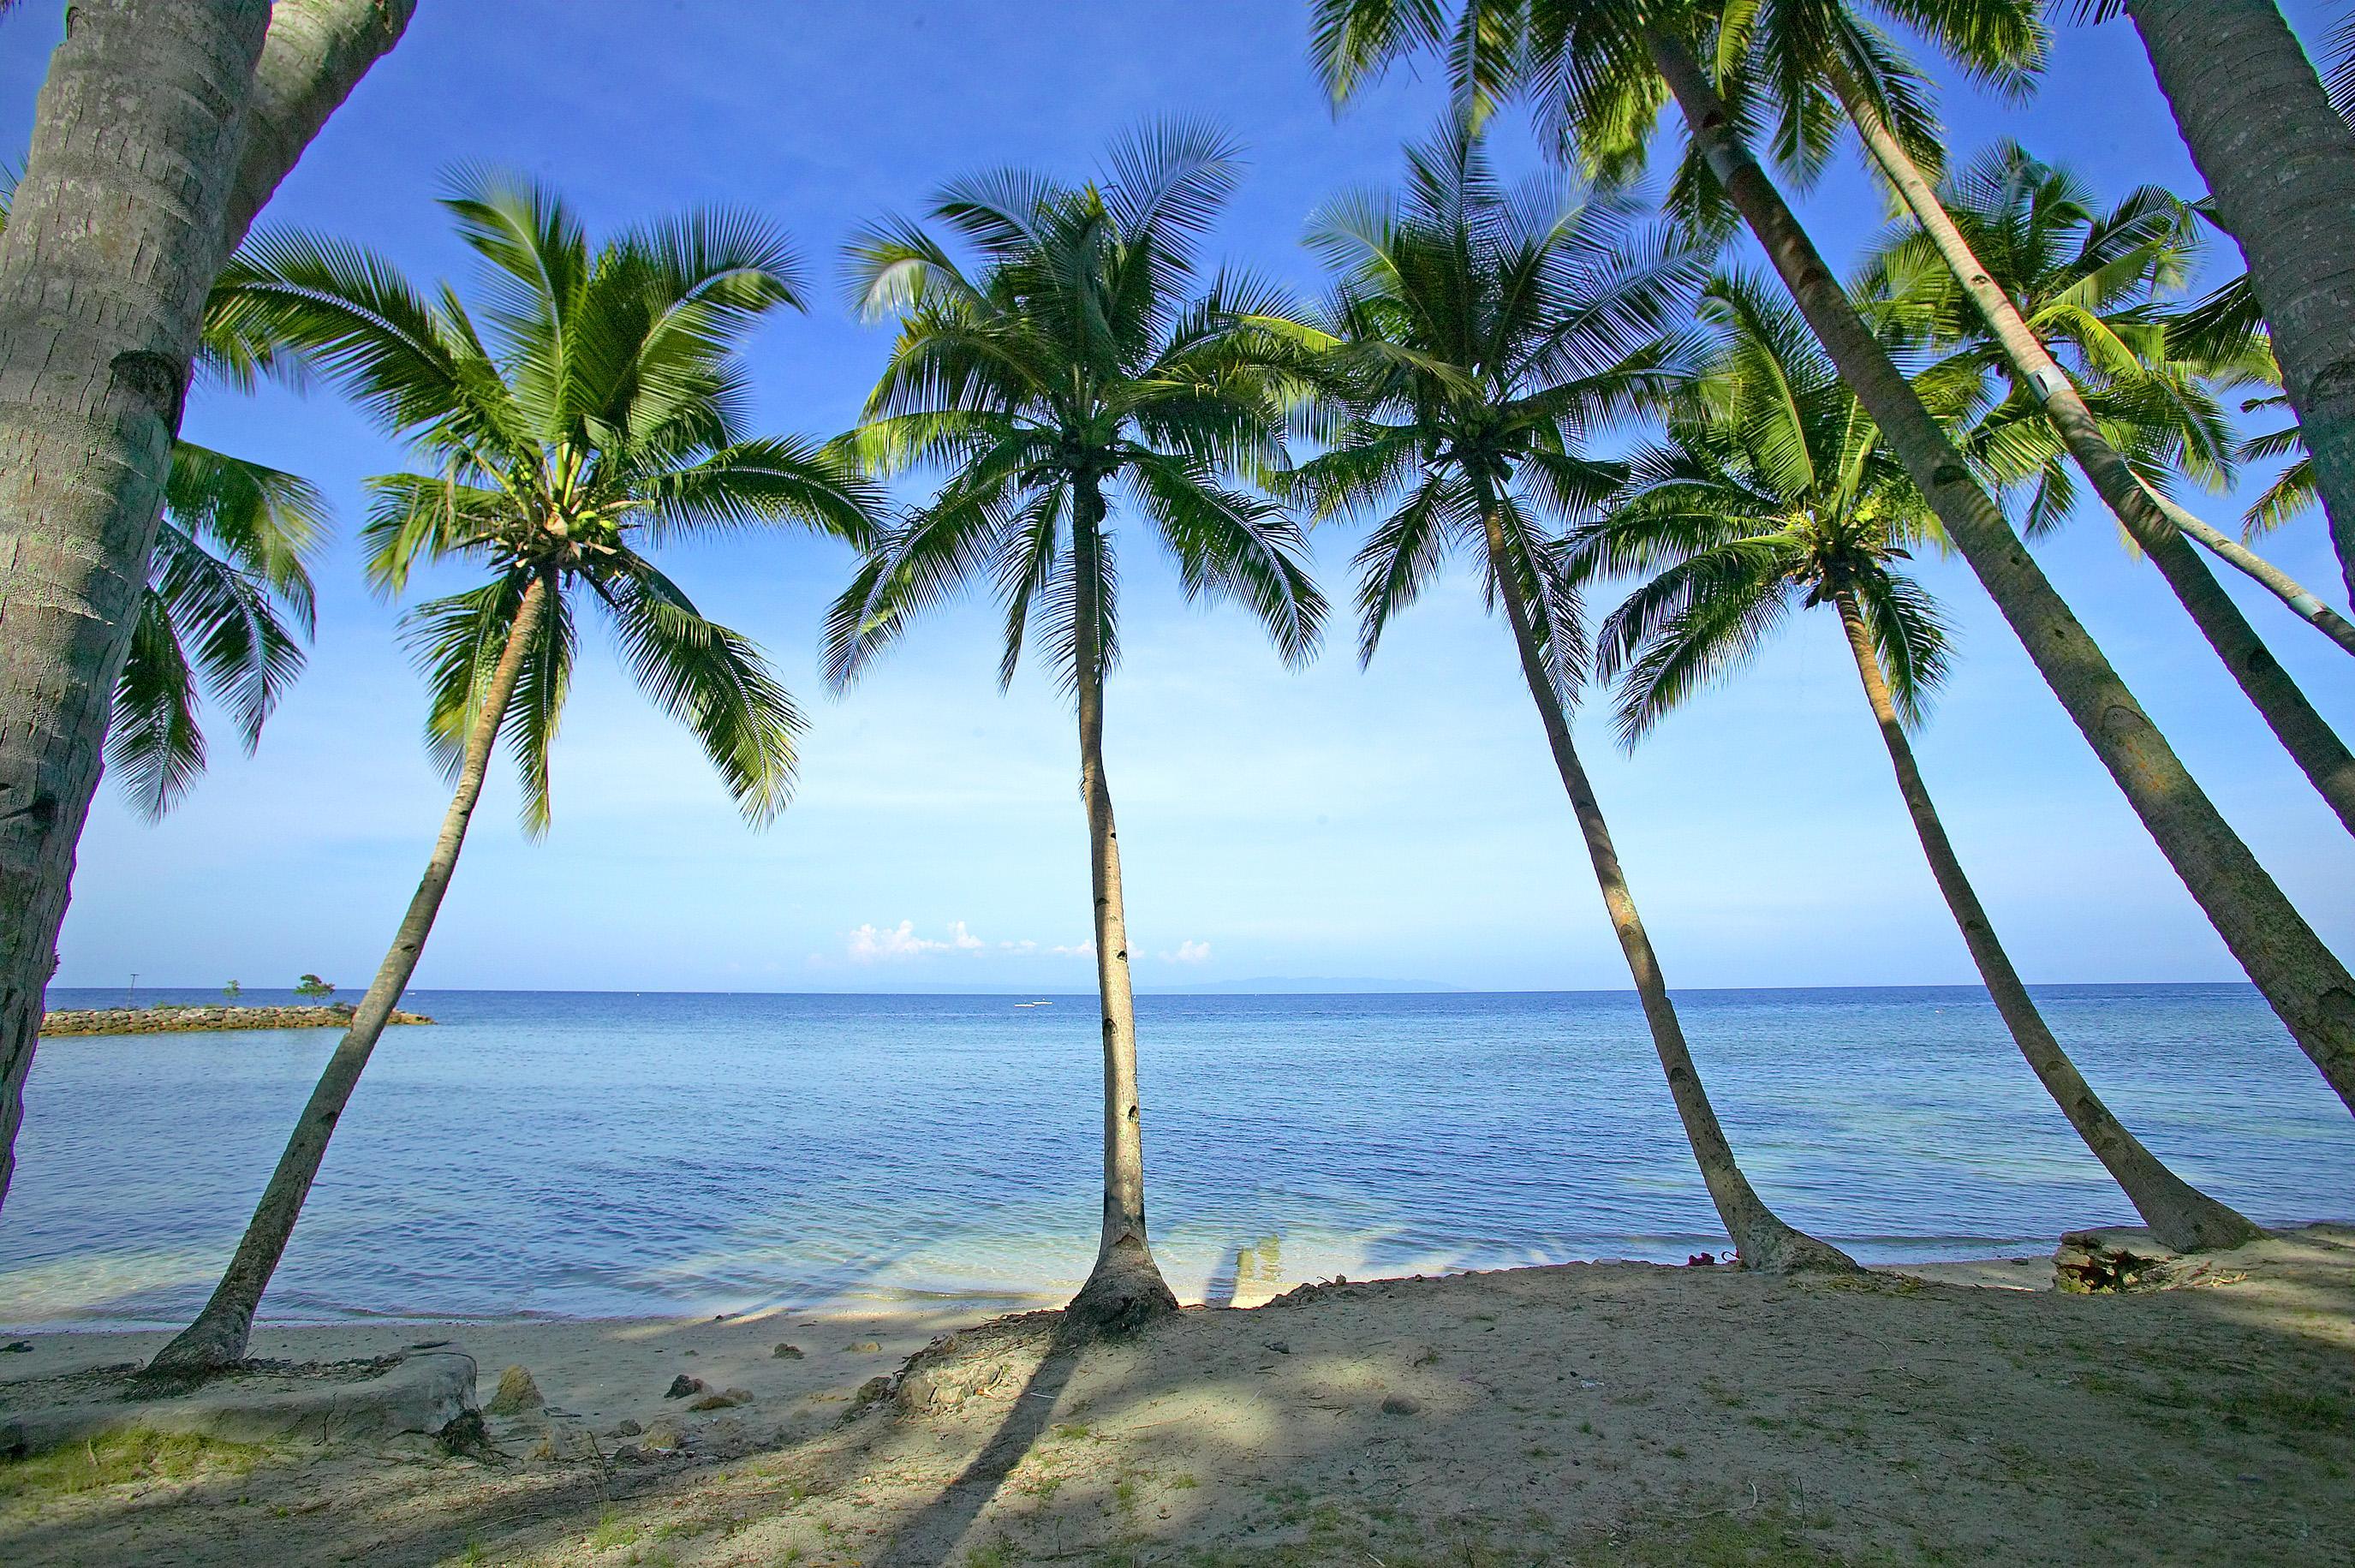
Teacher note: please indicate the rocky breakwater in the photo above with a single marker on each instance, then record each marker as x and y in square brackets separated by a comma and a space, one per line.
[172, 1018]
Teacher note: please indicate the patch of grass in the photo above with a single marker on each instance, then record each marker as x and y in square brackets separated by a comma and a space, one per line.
[1071, 1432]
[612, 1532]
[1183, 1483]
[995, 1554]
[121, 1457]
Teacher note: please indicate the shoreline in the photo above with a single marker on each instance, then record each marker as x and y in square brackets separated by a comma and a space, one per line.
[185, 1018]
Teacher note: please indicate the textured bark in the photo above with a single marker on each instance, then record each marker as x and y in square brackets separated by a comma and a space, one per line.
[1124, 1289]
[2301, 979]
[140, 175]
[1763, 1238]
[2177, 1213]
[2303, 733]
[110, 247]
[2271, 578]
[216, 1339]
[2280, 167]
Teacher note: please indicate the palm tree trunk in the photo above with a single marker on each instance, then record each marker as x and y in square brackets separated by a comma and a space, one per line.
[1124, 1289]
[216, 1339]
[2303, 733]
[2177, 1213]
[2280, 167]
[2264, 573]
[156, 134]
[1764, 1240]
[2299, 977]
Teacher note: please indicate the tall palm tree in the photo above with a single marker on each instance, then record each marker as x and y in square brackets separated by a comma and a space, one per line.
[227, 573]
[1817, 62]
[161, 129]
[1480, 337]
[596, 412]
[1070, 359]
[2279, 162]
[1601, 70]
[1772, 491]
[2015, 257]
[225, 578]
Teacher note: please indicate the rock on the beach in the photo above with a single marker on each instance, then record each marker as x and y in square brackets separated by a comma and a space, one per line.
[862, 1348]
[625, 1428]
[662, 1437]
[725, 1400]
[516, 1393]
[683, 1385]
[1400, 1404]
[783, 1352]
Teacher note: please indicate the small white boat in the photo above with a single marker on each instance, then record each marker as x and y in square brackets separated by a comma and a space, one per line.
[1034, 1003]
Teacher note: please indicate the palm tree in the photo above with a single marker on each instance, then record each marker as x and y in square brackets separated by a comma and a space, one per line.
[227, 575]
[1069, 357]
[600, 414]
[1773, 490]
[1480, 337]
[1601, 70]
[2279, 162]
[2013, 256]
[159, 132]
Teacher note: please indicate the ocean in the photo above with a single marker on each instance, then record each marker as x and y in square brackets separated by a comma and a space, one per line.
[577, 1154]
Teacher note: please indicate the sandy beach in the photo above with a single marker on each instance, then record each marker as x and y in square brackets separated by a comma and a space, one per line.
[1585, 1412]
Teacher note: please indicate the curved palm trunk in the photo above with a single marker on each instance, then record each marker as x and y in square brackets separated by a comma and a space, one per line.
[2280, 167]
[2301, 979]
[1124, 1289]
[2177, 1213]
[161, 129]
[216, 1339]
[1763, 1239]
[2303, 733]
[2271, 578]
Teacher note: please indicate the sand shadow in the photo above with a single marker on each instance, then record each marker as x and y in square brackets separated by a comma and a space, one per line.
[931, 1539]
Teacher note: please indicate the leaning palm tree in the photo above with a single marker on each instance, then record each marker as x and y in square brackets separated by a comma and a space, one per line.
[1601, 70]
[1069, 359]
[1480, 335]
[2279, 162]
[601, 413]
[227, 577]
[2016, 265]
[1772, 491]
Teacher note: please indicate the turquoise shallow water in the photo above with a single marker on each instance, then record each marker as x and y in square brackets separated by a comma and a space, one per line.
[583, 1154]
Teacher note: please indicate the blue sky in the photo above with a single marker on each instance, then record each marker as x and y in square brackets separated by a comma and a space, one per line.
[1401, 824]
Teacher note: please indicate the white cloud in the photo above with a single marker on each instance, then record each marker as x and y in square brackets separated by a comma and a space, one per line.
[1083, 950]
[1189, 951]
[879, 944]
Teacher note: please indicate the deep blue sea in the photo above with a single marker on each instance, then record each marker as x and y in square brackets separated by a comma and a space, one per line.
[589, 1154]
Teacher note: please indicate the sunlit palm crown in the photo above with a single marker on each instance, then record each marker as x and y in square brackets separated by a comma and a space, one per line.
[1480, 337]
[1773, 490]
[597, 409]
[1069, 353]
[2095, 287]
[1587, 65]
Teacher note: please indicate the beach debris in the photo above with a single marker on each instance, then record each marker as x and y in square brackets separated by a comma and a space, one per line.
[662, 1437]
[1701, 1260]
[863, 1348]
[784, 1352]
[870, 1390]
[625, 1428]
[724, 1400]
[683, 1385]
[1280, 1346]
[2090, 1264]
[516, 1393]
[466, 1437]
[1400, 1404]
